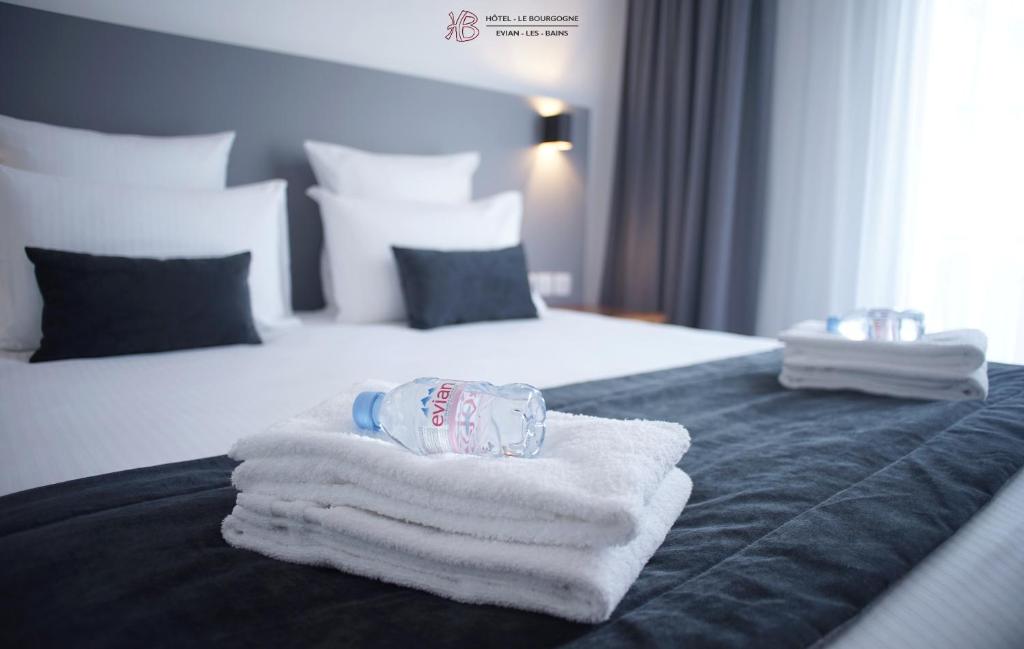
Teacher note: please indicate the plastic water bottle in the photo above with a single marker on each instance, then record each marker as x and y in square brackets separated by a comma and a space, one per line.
[431, 415]
[879, 324]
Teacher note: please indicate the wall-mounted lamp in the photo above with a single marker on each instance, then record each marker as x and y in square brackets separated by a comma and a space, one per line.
[557, 131]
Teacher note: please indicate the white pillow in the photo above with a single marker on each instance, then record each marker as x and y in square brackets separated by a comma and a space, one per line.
[359, 233]
[423, 178]
[182, 162]
[106, 219]
[194, 161]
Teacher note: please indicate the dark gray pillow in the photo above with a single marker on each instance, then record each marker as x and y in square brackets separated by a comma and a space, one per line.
[443, 288]
[108, 306]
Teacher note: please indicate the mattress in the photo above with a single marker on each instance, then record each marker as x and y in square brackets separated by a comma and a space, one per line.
[73, 419]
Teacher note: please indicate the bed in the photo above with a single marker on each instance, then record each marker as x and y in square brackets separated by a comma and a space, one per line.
[817, 519]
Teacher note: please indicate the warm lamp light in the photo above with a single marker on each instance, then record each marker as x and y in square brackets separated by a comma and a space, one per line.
[557, 132]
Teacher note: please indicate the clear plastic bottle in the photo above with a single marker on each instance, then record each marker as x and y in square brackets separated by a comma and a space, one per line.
[879, 324]
[431, 415]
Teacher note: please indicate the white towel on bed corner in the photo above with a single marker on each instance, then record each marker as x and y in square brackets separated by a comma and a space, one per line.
[946, 365]
[582, 584]
[972, 386]
[942, 355]
[588, 487]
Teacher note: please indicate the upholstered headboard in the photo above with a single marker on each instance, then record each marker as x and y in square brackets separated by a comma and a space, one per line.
[88, 74]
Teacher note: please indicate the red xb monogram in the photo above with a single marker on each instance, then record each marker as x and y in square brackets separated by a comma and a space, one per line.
[464, 27]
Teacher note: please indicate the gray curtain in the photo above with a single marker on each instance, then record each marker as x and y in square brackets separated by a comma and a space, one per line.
[688, 201]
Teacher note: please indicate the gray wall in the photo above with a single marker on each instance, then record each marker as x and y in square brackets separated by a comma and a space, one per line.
[87, 74]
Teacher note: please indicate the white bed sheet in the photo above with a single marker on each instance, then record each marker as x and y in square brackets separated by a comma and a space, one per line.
[71, 419]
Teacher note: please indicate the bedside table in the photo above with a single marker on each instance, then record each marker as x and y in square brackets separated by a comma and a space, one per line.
[647, 316]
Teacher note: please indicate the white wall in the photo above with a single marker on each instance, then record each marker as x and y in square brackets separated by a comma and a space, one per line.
[407, 36]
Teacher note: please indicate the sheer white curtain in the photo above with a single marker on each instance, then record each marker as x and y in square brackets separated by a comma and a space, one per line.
[897, 168]
[843, 97]
[963, 260]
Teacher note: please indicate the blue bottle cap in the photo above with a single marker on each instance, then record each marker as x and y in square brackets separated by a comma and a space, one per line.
[366, 410]
[832, 324]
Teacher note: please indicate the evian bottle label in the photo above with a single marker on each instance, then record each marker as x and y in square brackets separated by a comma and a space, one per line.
[453, 417]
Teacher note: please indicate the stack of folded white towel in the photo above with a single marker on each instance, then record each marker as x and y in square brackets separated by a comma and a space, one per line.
[564, 533]
[947, 365]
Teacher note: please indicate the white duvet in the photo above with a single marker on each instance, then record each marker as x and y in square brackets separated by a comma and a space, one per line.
[71, 419]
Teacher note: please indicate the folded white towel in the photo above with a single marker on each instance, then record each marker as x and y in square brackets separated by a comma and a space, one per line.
[971, 386]
[588, 487]
[582, 584]
[946, 354]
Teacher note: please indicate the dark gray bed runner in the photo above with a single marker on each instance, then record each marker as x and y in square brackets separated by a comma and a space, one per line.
[806, 506]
